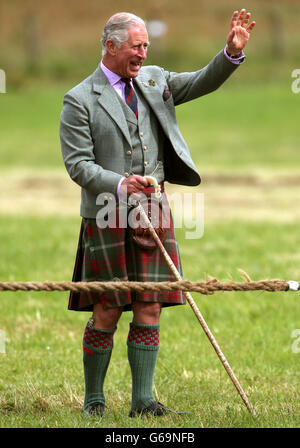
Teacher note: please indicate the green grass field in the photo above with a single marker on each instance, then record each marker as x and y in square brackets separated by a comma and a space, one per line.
[237, 131]
[265, 137]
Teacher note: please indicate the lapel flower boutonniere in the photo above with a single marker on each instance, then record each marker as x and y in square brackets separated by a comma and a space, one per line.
[151, 82]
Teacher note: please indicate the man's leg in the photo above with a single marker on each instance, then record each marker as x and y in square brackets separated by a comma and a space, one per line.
[143, 345]
[97, 349]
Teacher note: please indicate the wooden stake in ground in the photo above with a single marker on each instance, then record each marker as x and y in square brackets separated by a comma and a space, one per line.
[197, 312]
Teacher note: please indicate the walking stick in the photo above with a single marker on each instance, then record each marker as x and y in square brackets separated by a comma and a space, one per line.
[192, 303]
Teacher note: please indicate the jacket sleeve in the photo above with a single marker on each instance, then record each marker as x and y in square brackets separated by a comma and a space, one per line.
[189, 86]
[78, 149]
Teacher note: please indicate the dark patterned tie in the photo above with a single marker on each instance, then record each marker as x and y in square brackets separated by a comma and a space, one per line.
[130, 96]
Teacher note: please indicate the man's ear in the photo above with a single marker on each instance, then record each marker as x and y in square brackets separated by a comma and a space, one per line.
[111, 47]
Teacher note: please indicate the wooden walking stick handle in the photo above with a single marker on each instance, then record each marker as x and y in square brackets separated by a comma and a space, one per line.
[198, 314]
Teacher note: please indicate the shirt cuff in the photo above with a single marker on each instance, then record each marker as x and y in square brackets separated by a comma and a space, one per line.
[236, 60]
[119, 185]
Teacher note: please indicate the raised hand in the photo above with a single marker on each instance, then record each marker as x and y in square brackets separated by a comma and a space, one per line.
[239, 33]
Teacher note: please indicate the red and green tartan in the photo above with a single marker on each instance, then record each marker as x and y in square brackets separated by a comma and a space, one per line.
[111, 254]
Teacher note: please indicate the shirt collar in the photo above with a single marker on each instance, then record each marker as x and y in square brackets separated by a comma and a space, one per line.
[112, 77]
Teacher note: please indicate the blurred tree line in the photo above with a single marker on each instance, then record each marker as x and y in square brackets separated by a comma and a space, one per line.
[61, 40]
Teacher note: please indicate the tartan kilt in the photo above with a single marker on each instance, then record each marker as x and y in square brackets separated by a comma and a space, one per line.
[110, 254]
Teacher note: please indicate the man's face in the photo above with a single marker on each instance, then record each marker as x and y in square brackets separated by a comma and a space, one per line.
[130, 57]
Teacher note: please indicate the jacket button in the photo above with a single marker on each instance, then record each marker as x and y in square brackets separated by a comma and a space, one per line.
[146, 163]
[126, 174]
[128, 153]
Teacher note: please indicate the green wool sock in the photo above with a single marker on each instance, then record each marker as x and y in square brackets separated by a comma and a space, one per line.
[97, 348]
[142, 349]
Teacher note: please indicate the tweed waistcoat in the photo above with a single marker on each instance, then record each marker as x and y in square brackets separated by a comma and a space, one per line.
[147, 139]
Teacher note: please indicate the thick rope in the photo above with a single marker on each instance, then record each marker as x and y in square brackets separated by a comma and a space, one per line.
[208, 288]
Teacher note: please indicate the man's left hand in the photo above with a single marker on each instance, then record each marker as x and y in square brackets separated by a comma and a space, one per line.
[239, 32]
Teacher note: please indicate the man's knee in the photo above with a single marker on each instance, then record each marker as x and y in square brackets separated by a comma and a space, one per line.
[146, 312]
[106, 319]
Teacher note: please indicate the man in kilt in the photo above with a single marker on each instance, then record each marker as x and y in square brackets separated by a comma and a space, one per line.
[117, 127]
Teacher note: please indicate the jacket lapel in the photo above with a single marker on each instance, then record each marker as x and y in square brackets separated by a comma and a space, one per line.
[109, 102]
[154, 98]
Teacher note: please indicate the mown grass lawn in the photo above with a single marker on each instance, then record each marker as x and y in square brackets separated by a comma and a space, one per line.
[41, 381]
[242, 129]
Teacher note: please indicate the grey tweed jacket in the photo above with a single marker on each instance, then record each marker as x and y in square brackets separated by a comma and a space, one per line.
[94, 134]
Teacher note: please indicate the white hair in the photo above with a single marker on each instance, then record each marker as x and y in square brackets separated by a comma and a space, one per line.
[116, 28]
